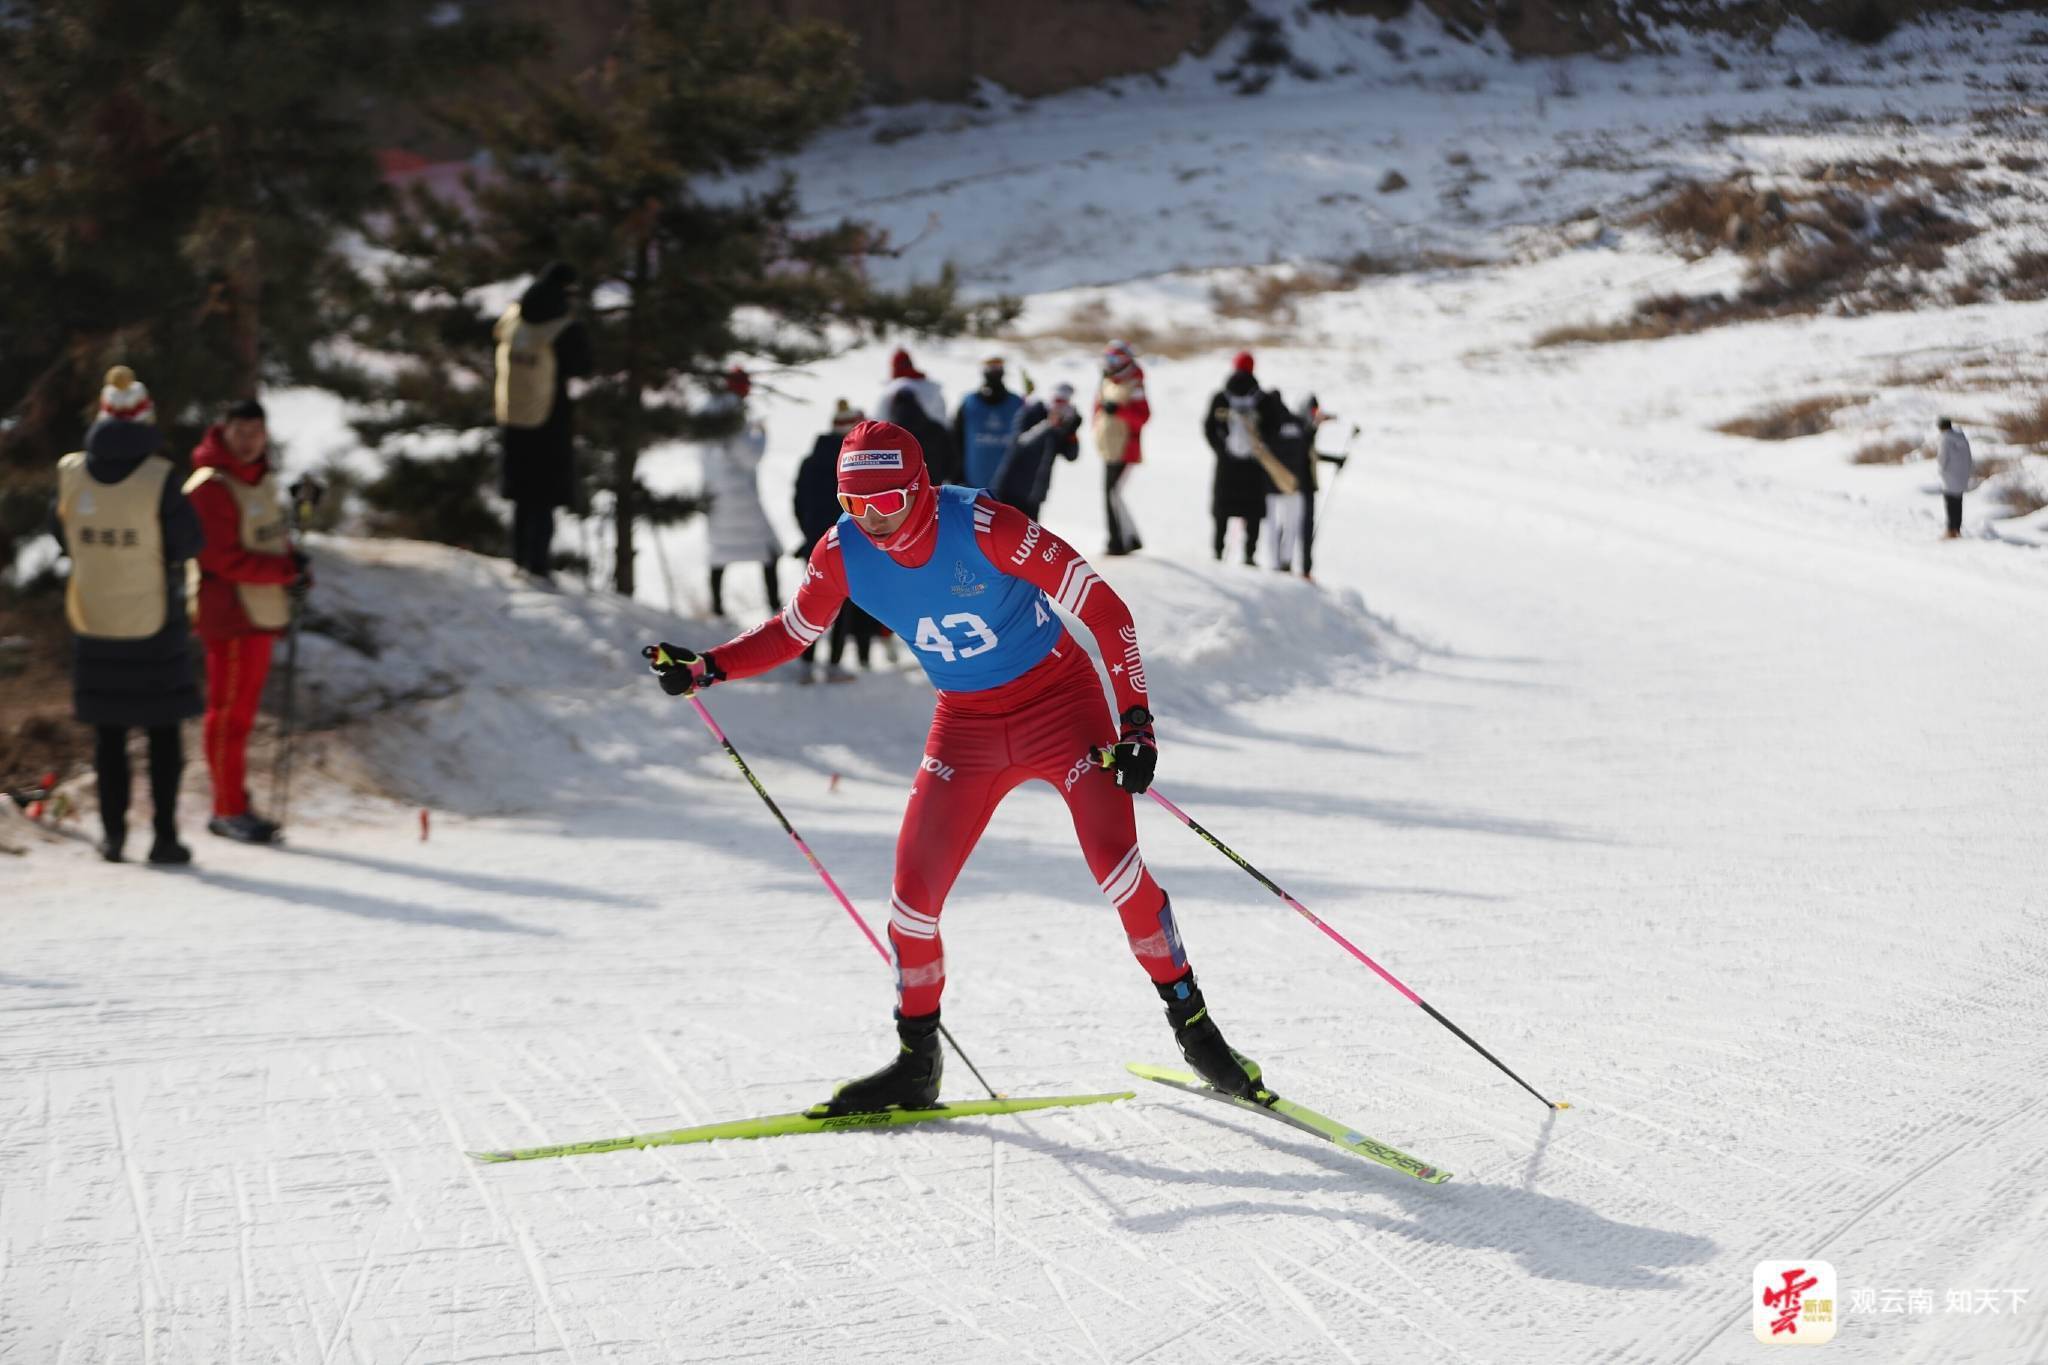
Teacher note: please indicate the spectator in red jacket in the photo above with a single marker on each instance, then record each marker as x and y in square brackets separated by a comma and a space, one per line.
[1120, 416]
[241, 600]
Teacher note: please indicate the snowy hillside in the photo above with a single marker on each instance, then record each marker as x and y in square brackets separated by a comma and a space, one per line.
[1689, 772]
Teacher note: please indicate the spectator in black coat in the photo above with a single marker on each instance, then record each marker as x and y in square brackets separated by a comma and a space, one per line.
[122, 516]
[1239, 423]
[541, 347]
[941, 456]
[817, 481]
[1045, 430]
[1312, 418]
[817, 512]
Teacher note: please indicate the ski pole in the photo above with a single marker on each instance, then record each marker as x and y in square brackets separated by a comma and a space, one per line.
[305, 491]
[1347, 945]
[1343, 459]
[281, 765]
[818, 867]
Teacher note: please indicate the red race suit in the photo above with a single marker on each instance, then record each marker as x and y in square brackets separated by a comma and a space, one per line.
[1044, 725]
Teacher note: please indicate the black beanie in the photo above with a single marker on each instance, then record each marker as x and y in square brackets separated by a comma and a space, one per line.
[243, 408]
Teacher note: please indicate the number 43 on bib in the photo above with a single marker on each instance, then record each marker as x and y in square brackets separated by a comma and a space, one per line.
[963, 635]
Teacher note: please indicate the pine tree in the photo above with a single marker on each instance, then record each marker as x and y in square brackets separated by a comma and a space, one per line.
[174, 179]
[619, 171]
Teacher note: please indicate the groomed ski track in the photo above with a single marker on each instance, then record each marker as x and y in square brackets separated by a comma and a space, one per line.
[1695, 827]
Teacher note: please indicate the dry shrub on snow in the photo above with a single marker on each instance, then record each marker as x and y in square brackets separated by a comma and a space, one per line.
[1093, 323]
[2026, 278]
[1660, 315]
[2028, 428]
[1267, 296]
[1790, 421]
[1857, 239]
[1271, 297]
[2021, 494]
[1886, 452]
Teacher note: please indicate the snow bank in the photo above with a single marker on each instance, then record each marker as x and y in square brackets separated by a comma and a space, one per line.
[458, 681]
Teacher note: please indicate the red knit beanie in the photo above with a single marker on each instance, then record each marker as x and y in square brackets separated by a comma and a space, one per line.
[878, 456]
[1242, 362]
[901, 368]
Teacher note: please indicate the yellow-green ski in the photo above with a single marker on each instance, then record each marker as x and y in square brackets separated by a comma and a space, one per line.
[1298, 1116]
[784, 1125]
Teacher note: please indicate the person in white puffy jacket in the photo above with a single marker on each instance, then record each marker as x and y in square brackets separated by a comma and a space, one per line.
[1956, 468]
[740, 533]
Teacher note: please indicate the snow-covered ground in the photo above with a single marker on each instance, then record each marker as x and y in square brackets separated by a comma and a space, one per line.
[1692, 775]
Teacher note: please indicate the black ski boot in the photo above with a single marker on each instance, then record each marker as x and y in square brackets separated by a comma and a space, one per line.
[911, 1081]
[1201, 1042]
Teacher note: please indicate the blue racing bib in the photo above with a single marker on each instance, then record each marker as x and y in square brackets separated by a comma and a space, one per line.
[973, 626]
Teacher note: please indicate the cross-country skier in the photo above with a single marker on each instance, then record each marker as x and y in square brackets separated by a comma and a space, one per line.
[969, 582]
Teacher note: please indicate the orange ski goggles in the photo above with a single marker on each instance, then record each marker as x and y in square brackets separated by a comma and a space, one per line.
[886, 503]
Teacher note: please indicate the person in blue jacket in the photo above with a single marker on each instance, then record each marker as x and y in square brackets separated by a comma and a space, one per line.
[984, 423]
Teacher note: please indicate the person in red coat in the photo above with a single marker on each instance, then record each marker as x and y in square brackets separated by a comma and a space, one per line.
[1121, 411]
[240, 598]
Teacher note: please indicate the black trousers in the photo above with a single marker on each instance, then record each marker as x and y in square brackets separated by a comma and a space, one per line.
[1123, 530]
[1955, 512]
[1308, 534]
[771, 575]
[856, 625]
[166, 766]
[533, 537]
[1251, 535]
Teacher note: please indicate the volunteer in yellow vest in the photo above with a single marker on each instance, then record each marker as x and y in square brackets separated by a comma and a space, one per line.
[240, 600]
[125, 523]
[541, 347]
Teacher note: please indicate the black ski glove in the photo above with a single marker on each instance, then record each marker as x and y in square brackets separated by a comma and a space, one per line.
[682, 672]
[1135, 754]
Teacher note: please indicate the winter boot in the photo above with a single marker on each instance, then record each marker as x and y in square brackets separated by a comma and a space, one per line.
[166, 851]
[244, 828]
[1201, 1042]
[111, 845]
[911, 1081]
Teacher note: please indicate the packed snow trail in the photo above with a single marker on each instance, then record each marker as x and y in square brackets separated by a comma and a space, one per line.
[1711, 824]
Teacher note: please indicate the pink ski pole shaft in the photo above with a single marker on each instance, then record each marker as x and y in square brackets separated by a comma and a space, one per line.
[1346, 944]
[818, 867]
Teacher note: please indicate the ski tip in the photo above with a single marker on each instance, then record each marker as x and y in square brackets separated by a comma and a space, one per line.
[488, 1157]
[1559, 1104]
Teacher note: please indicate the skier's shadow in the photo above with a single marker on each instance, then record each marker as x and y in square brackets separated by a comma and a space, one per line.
[490, 883]
[365, 906]
[1554, 1238]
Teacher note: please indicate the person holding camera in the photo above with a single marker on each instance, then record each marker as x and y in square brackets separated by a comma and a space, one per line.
[1045, 430]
